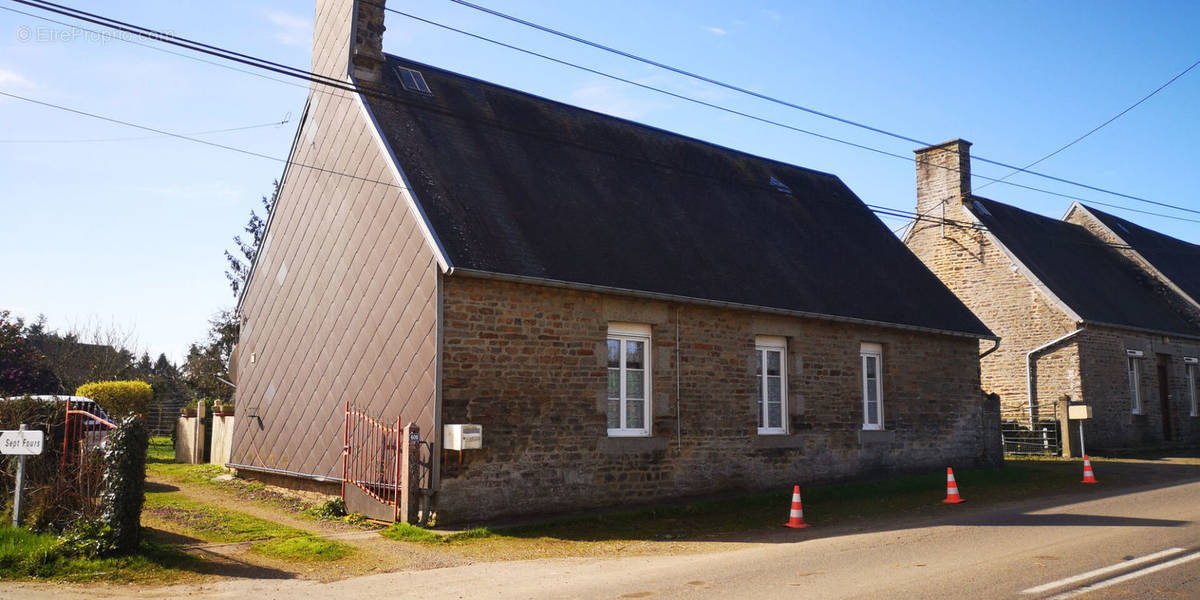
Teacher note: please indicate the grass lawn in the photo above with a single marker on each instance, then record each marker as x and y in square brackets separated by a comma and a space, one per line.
[27, 555]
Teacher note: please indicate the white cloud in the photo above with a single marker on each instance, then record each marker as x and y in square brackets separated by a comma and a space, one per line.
[13, 78]
[607, 98]
[716, 30]
[291, 30]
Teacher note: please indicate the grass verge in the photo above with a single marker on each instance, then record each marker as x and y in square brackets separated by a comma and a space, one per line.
[747, 517]
[403, 532]
[303, 549]
[209, 523]
[27, 555]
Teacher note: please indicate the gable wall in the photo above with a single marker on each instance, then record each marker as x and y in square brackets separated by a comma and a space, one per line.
[984, 278]
[342, 306]
[528, 363]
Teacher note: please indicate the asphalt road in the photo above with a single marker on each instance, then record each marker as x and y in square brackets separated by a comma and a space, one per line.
[1140, 544]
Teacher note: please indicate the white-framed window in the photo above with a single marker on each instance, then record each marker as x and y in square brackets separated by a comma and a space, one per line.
[1135, 384]
[628, 379]
[771, 374]
[1193, 369]
[872, 385]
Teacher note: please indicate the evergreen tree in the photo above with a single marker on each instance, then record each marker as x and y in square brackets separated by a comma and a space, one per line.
[239, 266]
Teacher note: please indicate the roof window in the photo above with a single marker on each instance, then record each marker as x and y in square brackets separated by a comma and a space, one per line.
[413, 81]
[779, 185]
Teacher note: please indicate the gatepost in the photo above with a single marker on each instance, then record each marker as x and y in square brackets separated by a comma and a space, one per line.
[410, 474]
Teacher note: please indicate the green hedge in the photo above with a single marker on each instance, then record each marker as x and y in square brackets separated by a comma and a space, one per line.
[119, 398]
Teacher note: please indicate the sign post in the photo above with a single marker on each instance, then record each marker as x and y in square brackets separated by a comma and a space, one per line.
[1081, 413]
[21, 443]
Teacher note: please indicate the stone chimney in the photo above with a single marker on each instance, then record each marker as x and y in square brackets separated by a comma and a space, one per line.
[348, 40]
[943, 176]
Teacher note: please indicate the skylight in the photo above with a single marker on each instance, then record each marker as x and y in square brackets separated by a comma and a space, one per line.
[779, 185]
[413, 81]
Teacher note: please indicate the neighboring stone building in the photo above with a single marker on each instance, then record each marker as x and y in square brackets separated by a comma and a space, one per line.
[630, 315]
[1101, 319]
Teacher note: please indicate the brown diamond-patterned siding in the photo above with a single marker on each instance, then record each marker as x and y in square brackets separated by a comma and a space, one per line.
[342, 306]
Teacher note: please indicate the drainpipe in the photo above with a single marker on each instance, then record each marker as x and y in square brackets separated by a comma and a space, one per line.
[678, 414]
[1030, 366]
[995, 347]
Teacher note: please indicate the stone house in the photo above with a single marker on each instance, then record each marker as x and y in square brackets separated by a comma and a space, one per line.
[629, 314]
[1103, 319]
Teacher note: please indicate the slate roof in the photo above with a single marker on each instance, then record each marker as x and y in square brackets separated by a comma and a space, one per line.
[1178, 260]
[1085, 273]
[519, 185]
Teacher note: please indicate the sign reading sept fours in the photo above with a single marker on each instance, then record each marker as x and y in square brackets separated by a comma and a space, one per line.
[30, 442]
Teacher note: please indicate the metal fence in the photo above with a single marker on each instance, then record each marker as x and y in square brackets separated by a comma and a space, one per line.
[1026, 432]
[83, 454]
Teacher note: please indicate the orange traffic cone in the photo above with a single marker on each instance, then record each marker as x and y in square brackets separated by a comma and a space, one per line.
[796, 519]
[952, 496]
[1088, 475]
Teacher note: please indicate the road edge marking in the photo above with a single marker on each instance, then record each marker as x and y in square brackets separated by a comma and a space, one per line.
[1128, 576]
[1045, 587]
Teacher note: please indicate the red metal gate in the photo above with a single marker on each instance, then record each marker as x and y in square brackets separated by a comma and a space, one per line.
[371, 466]
[82, 463]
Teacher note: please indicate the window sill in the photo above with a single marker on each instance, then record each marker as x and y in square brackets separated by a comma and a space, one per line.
[763, 442]
[630, 445]
[869, 437]
[628, 433]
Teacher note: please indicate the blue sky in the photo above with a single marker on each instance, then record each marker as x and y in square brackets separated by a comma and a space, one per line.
[131, 232]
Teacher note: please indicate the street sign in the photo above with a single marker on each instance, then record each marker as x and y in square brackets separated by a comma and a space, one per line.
[28, 442]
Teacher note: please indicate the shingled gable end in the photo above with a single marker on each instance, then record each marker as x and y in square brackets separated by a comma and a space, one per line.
[630, 315]
[1086, 314]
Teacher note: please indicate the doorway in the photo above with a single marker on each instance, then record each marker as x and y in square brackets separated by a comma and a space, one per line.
[1164, 394]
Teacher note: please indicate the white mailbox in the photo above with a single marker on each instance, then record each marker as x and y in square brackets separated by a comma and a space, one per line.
[1079, 412]
[462, 437]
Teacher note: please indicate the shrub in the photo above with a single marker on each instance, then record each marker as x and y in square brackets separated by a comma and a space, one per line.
[330, 509]
[125, 483]
[119, 398]
[48, 502]
[90, 538]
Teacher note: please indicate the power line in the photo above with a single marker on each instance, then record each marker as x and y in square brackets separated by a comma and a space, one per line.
[350, 87]
[151, 47]
[784, 125]
[192, 139]
[1100, 126]
[793, 105]
[147, 137]
[879, 210]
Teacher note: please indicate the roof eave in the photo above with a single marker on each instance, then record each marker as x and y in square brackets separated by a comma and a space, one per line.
[1158, 332]
[588, 287]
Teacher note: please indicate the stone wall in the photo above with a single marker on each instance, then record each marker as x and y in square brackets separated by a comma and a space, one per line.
[1089, 367]
[528, 363]
[992, 285]
[1106, 389]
